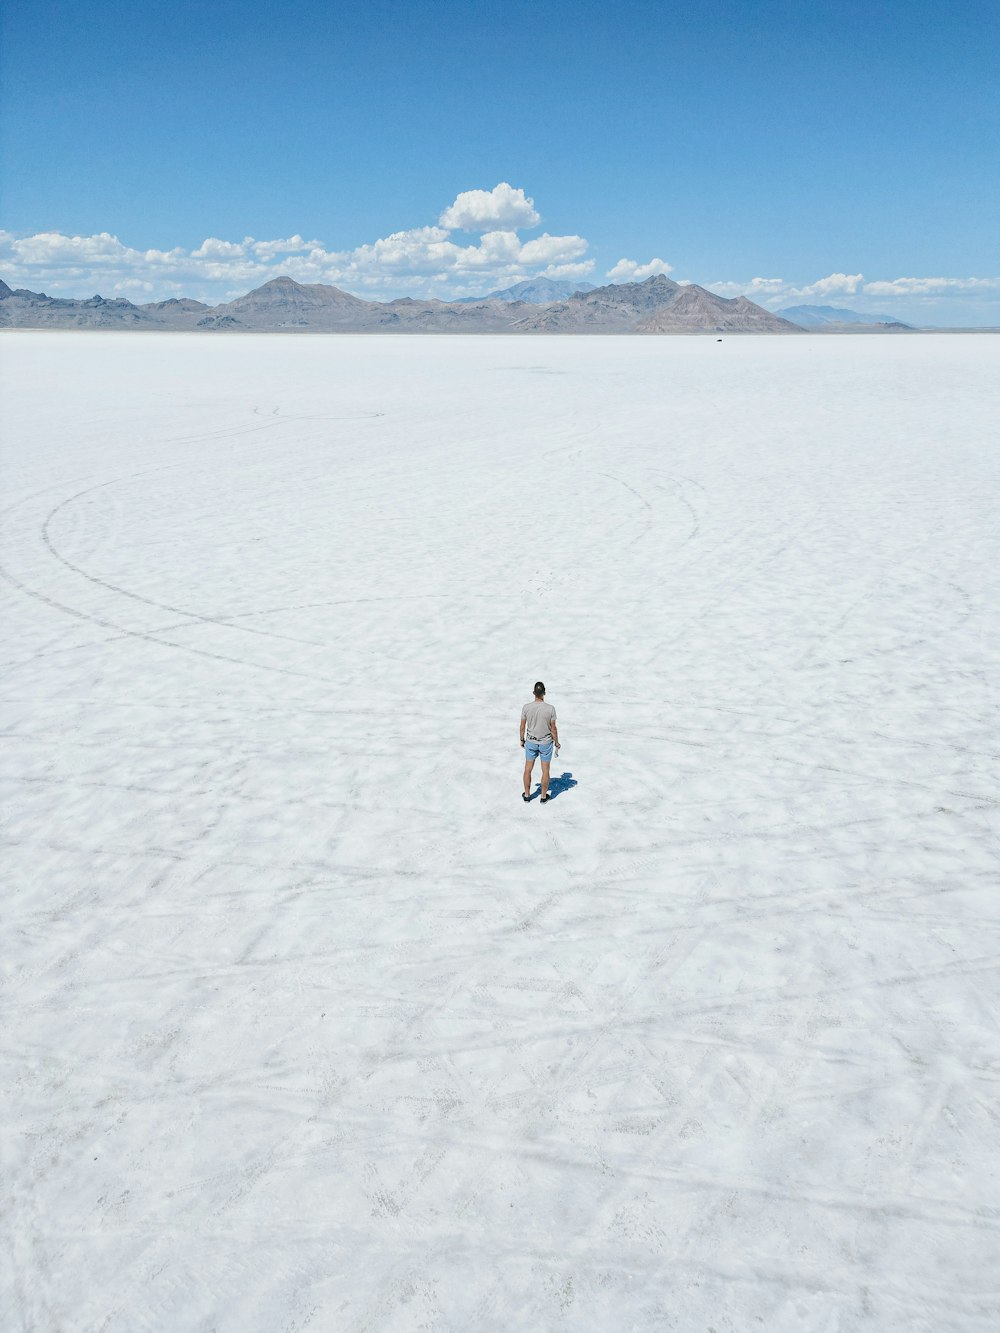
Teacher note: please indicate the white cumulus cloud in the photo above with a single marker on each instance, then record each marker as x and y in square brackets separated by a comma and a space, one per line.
[930, 286]
[418, 260]
[756, 288]
[496, 249]
[774, 291]
[503, 207]
[963, 301]
[836, 284]
[546, 249]
[427, 259]
[569, 271]
[269, 249]
[628, 270]
[48, 249]
[421, 249]
[213, 248]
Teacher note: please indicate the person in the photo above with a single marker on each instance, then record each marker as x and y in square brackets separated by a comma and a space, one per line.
[538, 735]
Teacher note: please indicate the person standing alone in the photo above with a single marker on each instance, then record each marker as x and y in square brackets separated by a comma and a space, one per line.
[538, 735]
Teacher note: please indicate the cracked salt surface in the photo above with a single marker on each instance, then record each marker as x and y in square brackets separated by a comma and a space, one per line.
[308, 1019]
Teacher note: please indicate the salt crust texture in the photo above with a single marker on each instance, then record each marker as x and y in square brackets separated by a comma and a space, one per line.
[309, 1020]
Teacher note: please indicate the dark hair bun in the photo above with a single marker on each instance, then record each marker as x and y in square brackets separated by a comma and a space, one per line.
[539, 687]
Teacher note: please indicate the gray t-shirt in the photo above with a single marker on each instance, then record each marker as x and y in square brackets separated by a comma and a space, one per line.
[539, 717]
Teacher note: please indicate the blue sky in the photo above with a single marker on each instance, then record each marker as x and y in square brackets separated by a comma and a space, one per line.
[799, 151]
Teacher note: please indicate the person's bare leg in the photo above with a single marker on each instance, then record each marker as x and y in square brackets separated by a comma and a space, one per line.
[528, 766]
[545, 778]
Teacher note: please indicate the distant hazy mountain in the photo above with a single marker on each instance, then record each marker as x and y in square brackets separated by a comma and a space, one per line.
[829, 317]
[658, 305]
[536, 291]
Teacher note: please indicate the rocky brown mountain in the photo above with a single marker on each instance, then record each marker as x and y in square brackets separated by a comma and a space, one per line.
[657, 305]
[283, 303]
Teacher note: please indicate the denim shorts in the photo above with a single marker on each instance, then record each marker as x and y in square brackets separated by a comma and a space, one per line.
[538, 750]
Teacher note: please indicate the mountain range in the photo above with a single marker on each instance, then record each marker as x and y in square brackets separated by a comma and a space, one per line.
[656, 306]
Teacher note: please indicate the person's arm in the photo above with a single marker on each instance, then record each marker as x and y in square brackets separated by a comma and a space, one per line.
[555, 732]
[522, 728]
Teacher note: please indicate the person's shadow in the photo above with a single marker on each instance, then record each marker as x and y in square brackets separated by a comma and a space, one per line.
[557, 785]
